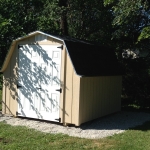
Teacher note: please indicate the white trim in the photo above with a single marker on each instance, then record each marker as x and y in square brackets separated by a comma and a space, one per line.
[36, 32]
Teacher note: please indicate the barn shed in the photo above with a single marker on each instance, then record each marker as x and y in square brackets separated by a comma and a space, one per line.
[60, 79]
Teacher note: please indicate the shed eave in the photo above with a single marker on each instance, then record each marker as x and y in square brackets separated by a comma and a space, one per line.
[37, 32]
[49, 35]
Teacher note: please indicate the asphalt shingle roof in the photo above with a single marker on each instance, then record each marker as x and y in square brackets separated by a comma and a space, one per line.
[92, 60]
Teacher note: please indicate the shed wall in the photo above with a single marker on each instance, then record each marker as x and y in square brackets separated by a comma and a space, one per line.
[3, 96]
[71, 94]
[99, 96]
[9, 101]
[6, 91]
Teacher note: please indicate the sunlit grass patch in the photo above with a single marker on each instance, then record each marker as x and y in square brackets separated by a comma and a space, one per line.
[23, 138]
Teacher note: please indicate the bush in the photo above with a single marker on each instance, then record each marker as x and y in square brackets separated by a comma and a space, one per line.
[136, 83]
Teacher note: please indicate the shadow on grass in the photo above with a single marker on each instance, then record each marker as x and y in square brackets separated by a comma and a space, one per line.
[137, 106]
[144, 127]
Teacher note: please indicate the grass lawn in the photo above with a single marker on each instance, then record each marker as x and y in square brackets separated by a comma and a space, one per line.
[22, 138]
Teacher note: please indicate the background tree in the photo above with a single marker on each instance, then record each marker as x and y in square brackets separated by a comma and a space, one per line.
[120, 24]
[83, 19]
[131, 24]
[17, 18]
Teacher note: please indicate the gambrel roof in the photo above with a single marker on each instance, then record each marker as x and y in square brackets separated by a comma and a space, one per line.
[87, 59]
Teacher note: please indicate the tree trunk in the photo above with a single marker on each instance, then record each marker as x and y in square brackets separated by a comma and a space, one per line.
[64, 25]
[63, 22]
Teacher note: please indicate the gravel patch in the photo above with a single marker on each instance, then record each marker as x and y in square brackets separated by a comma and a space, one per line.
[99, 128]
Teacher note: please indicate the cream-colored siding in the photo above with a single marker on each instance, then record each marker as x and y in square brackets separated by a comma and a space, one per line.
[3, 97]
[71, 94]
[99, 96]
[10, 86]
[13, 86]
[6, 91]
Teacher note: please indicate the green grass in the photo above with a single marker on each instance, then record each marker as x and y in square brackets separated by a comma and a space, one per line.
[22, 138]
[134, 139]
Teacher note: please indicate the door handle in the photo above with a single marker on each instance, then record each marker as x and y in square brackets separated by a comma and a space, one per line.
[59, 90]
[39, 88]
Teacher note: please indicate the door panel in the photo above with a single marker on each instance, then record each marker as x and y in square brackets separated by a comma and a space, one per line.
[39, 78]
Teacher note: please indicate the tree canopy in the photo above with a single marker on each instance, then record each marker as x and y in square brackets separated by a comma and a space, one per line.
[17, 18]
[131, 22]
[118, 23]
[82, 19]
[121, 24]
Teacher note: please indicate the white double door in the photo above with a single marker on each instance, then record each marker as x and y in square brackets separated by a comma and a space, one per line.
[39, 81]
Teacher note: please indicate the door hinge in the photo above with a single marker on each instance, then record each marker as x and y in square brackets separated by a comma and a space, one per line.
[60, 47]
[19, 46]
[17, 113]
[59, 90]
[59, 119]
[18, 86]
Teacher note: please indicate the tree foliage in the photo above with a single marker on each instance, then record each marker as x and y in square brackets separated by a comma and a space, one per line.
[121, 24]
[82, 19]
[131, 22]
[17, 18]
